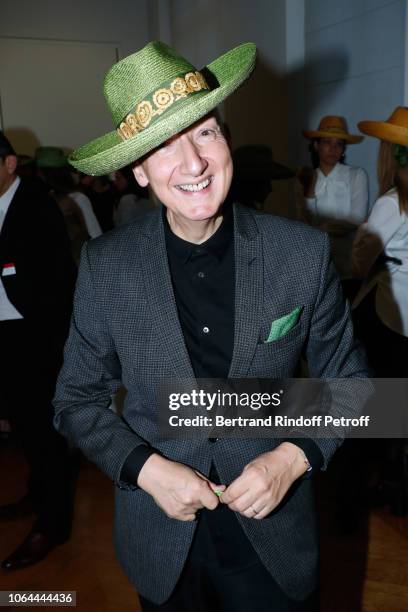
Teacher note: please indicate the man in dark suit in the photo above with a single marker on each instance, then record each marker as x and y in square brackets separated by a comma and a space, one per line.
[199, 288]
[36, 289]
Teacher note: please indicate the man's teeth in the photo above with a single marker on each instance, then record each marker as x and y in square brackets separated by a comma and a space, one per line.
[198, 187]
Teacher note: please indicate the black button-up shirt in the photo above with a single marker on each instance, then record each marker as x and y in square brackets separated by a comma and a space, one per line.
[203, 282]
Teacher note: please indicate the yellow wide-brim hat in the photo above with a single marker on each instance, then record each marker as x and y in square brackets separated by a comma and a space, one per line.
[153, 95]
[333, 126]
[394, 130]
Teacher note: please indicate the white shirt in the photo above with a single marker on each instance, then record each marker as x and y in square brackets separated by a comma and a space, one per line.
[84, 204]
[340, 205]
[7, 310]
[386, 230]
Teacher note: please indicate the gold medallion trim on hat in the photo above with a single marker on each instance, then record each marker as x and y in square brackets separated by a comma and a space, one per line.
[159, 101]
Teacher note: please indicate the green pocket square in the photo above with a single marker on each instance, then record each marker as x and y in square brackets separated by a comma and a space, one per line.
[280, 327]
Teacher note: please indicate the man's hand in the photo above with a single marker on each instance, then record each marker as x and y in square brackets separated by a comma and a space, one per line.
[177, 489]
[265, 481]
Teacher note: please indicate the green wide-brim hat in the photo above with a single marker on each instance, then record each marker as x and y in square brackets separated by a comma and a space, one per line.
[50, 157]
[154, 94]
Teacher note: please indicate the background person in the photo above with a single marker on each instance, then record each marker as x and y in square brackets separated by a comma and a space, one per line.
[80, 220]
[132, 200]
[53, 168]
[254, 171]
[334, 195]
[102, 194]
[380, 256]
[36, 287]
[380, 250]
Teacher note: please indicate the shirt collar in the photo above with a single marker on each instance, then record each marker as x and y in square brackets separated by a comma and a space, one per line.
[332, 176]
[216, 245]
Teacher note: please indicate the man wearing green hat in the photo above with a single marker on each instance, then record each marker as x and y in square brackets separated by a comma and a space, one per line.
[199, 288]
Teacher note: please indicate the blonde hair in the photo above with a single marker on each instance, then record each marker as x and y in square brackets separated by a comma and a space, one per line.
[391, 175]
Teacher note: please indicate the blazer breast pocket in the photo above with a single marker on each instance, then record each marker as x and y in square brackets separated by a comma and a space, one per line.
[280, 357]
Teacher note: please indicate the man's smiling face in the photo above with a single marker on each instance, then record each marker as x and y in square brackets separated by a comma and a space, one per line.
[190, 173]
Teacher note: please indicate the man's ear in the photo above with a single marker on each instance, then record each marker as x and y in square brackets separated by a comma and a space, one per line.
[11, 164]
[140, 175]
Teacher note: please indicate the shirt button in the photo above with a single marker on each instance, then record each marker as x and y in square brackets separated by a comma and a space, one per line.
[212, 440]
[201, 275]
[206, 330]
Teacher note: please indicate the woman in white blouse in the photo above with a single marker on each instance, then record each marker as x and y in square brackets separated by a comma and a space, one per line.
[380, 251]
[380, 254]
[334, 195]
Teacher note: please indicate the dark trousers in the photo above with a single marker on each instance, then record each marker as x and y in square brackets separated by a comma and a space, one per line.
[31, 362]
[224, 574]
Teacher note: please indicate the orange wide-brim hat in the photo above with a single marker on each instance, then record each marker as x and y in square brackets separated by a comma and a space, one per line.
[394, 130]
[333, 126]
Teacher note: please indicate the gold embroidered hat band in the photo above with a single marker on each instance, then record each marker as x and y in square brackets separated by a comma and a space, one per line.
[154, 94]
[333, 126]
[160, 100]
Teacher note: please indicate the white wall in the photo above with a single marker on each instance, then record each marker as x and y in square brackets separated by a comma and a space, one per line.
[66, 106]
[123, 22]
[159, 19]
[205, 29]
[51, 92]
[257, 113]
[354, 52]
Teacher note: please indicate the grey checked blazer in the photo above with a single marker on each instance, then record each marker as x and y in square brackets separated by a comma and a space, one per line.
[125, 328]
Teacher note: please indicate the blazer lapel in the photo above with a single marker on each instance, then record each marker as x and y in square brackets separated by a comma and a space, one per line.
[160, 295]
[248, 290]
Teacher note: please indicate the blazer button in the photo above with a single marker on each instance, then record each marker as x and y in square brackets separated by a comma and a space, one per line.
[213, 440]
